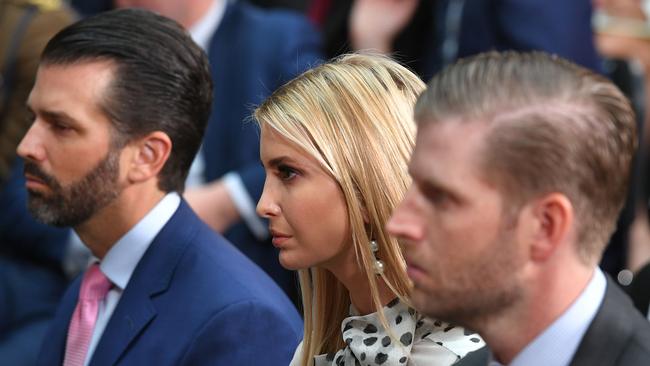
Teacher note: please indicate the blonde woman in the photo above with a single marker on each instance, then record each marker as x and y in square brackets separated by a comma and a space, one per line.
[335, 143]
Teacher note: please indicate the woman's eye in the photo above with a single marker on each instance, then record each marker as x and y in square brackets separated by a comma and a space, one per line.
[286, 172]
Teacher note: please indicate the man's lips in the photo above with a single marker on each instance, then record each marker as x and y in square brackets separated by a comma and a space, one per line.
[414, 271]
[34, 182]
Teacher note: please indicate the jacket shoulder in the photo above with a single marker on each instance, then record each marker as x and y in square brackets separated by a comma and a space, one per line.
[618, 335]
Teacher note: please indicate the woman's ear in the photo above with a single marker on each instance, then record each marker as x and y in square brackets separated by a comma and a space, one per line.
[364, 214]
[150, 155]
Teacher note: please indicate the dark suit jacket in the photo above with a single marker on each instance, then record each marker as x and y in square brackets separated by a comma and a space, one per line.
[639, 290]
[252, 53]
[618, 335]
[192, 300]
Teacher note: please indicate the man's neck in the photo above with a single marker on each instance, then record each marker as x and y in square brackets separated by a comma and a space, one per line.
[107, 226]
[545, 301]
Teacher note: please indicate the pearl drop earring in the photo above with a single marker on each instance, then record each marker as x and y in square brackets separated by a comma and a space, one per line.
[378, 265]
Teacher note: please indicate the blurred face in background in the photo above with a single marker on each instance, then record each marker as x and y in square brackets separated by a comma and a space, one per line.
[185, 12]
[305, 206]
[167, 8]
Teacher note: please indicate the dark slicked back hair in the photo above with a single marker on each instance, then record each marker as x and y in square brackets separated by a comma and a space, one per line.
[161, 80]
[553, 127]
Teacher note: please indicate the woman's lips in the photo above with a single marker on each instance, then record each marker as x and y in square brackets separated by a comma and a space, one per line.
[279, 238]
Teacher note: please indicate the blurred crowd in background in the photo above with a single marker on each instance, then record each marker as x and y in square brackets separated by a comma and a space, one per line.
[253, 49]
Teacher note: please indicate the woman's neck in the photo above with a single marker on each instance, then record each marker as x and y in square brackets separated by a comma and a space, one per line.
[356, 282]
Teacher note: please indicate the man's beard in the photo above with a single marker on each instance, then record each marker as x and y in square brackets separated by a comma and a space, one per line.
[482, 291]
[79, 201]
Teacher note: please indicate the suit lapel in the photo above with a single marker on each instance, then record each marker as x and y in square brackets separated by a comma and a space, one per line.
[480, 357]
[131, 316]
[609, 331]
[152, 276]
[53, 348]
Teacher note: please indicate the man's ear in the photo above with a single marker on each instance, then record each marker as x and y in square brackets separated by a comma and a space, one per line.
[552, 221]
[150, 155]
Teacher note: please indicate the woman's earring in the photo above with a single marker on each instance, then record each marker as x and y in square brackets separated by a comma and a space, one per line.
[378, 265]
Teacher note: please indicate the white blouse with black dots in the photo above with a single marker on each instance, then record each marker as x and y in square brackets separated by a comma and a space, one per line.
[419, 341]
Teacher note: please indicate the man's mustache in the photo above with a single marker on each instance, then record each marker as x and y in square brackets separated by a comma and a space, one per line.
[33, 170]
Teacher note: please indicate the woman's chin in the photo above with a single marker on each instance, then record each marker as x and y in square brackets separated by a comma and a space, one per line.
[289, 263]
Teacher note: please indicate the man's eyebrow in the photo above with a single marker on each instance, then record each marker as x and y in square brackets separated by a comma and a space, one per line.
[59, 116]
[428, 181]
[431, 183]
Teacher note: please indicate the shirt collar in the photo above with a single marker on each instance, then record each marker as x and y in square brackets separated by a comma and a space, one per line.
[202, 31]
[120, 261]
[557, 344]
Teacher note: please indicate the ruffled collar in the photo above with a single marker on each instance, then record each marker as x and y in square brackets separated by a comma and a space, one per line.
[368, 343]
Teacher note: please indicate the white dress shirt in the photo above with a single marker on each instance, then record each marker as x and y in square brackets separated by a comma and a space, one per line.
[203, 30]
[557, 344]
[120, 261]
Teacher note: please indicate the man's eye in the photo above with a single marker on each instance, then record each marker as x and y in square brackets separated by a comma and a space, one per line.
[439, 198]
[435, 195]
[60, 127]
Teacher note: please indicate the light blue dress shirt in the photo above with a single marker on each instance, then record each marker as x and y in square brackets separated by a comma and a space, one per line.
[120, 261]
[557, 344]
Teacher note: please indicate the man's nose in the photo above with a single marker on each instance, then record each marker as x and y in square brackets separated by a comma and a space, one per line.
[31, 146]
[405, 222]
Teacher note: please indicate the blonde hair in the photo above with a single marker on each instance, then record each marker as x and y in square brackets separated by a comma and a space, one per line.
[355, 116]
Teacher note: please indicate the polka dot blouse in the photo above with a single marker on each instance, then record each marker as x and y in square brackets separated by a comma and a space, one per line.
[416, 341]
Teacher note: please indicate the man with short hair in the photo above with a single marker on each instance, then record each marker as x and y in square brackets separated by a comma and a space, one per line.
[520, 170]
[119, 107]
[252, 52]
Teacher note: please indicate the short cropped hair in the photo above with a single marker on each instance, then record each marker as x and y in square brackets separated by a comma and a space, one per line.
[161, 80]
[553, 127]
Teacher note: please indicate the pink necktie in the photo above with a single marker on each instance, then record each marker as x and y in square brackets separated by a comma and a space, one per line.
[94, 287]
